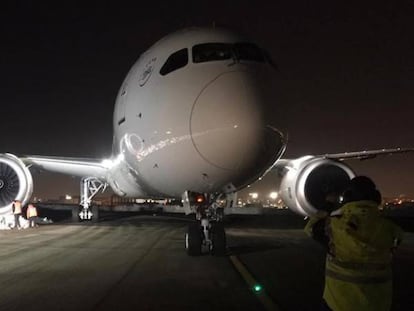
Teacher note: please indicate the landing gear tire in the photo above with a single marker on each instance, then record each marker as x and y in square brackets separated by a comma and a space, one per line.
[75, 214]
[193, 239]
[95, 213]
[218, 240]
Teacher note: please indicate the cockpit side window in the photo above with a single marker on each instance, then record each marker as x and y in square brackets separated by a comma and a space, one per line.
[175, 61]
[208, 52]
[248, 51]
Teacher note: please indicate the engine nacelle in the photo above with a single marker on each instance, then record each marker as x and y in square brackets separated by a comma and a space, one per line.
[16, 182]
[313, 183]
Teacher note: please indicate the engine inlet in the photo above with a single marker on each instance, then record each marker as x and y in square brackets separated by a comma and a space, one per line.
[9, 184]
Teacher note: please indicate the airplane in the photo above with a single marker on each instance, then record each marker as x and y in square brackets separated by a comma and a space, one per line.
[192, 121]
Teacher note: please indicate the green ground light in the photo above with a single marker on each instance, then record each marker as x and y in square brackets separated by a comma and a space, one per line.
[257, 288]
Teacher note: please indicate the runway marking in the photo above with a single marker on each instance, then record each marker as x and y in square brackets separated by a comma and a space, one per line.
[266, 301]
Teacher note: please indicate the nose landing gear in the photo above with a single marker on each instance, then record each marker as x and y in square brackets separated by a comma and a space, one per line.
[206, 234]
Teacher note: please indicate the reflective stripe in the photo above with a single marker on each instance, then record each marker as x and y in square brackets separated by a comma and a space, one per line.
[357, 279]
[358, 265]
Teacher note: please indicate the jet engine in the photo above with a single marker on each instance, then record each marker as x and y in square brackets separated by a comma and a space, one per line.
[310, 184]
[16, 182]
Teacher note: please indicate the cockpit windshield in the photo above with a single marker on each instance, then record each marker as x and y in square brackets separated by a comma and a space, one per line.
[208, 52]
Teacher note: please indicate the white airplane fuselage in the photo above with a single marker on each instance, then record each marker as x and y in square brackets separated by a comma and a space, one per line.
[204, 126]
[197, 113]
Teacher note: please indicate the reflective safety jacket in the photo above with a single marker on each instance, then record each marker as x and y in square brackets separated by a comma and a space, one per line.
[17, 207]
[358, 264]
[31, 211]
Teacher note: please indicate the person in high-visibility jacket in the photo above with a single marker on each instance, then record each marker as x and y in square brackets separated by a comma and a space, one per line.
[17, 212]
[360, 243]
[31, 215]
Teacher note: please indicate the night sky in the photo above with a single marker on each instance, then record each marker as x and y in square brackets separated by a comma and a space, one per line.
[346, 75]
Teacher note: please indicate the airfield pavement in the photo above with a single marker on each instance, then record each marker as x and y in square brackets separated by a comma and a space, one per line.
[131, 261]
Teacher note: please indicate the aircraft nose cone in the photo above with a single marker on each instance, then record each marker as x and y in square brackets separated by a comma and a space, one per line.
[227, 125]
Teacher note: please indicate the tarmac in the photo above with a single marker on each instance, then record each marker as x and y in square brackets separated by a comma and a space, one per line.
[131, 261]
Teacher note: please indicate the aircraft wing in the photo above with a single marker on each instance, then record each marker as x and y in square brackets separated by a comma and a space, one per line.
[365, 155]
[81, 167]
[282, 164]
[354, 155]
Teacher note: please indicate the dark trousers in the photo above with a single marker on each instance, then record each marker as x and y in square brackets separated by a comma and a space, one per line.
[17, 221]
[32, 221]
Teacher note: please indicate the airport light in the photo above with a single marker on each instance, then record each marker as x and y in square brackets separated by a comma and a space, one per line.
[68, 197]
[257, 288]
[273, 195]
[254, 195]
[199, 198]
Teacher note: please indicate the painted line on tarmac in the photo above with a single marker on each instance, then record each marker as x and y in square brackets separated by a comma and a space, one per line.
[266, 301]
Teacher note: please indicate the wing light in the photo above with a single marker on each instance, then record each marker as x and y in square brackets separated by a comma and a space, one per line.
[110, 163]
